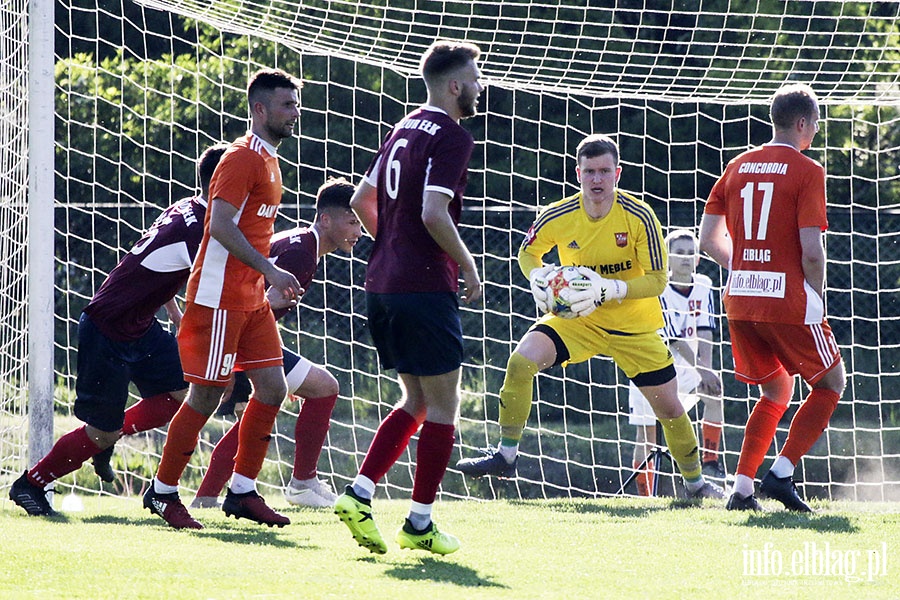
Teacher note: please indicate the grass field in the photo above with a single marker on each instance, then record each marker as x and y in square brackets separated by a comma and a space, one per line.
[606, 548]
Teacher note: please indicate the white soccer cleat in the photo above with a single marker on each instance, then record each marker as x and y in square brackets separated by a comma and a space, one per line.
[317, 494]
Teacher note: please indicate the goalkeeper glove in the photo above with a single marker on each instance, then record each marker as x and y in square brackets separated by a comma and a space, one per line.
[601, 290]
[539, 290]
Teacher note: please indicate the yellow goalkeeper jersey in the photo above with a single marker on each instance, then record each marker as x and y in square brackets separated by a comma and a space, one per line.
[625, 244]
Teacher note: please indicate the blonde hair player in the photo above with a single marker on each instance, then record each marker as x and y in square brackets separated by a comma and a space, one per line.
[690, 320]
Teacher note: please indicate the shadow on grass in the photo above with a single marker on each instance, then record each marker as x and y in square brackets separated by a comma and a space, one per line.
[232, 534]
[615, 509]
[791, 520]
[441, 571]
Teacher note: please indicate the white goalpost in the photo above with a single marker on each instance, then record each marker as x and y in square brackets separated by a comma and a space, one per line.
[140, 88]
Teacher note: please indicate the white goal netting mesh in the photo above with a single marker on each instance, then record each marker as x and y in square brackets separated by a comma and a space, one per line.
[143, 87]
[13, 231]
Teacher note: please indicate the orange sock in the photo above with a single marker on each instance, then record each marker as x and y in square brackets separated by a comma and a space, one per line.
[253, 437]
[712, 433]
[758, 435]
[809, 423]
[181, 440]
[644, 479]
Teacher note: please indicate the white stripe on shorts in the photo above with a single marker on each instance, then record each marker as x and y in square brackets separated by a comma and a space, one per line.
[821, 344]
[216, 343]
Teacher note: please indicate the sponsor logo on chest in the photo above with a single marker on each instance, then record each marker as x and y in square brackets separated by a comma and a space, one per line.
[266, 211]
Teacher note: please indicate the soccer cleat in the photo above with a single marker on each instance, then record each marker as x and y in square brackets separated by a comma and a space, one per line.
[318, 495]
[170, 508]
[251, 505]
[356, 514]
[490, 463]
[102, 466]
[784, 490]
[707, 490]
[749, 503]
[206, 502]
[429, 539]
[713, 470]
[33, 498]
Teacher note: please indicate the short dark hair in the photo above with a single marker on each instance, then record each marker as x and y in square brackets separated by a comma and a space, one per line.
[792, 102]
[445, 56]
[335, 193]
[597, 145]
[206, 164]
[266, 81]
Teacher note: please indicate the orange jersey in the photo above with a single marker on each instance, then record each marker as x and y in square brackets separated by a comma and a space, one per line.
[248, 177]
[767, 195]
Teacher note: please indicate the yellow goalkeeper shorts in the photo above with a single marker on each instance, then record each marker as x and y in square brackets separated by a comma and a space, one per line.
[634, 353]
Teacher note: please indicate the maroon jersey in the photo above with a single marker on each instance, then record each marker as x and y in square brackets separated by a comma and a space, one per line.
[151, 274]
[296, 251]
[426, 151]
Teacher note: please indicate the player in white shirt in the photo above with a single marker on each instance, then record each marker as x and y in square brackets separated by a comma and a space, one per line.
[687, 304]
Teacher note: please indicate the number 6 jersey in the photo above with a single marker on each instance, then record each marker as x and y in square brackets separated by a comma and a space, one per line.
[767, 195]
[426, 151]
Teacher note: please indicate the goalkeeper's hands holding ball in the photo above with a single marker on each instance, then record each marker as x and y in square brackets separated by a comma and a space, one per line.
[539, 282]
[602, 289]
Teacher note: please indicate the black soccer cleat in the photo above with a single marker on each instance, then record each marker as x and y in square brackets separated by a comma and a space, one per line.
[251, 505]
[784, 490]
[102, 466]
[170, 508]
[33, 498]
[750, 503]
[491, 462]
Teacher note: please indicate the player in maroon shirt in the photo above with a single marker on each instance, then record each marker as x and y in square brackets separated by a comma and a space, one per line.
[410, 202]
[298, 251]
[121, 342]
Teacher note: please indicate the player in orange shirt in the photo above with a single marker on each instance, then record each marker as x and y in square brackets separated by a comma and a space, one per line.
[227, 320]
[764, 221]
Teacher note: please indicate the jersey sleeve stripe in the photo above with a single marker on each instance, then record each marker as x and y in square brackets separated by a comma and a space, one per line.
[555, 212]
[646, 217]
[440, 189]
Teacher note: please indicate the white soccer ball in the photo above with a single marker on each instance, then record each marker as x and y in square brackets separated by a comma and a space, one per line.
[561, 283]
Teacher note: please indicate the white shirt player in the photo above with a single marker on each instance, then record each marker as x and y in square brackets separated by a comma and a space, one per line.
[684, 316]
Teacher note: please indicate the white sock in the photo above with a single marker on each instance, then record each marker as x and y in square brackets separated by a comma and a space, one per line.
[419, 515]
[782, 468]
[508, 452]
[693, 486]
[743, 486]
[161, 488]
[241, 484]
[363, 487]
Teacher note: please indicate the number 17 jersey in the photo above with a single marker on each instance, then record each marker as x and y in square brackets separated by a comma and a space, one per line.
[767, 195]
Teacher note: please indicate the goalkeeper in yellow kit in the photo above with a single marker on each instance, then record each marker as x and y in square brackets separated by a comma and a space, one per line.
[616, 241]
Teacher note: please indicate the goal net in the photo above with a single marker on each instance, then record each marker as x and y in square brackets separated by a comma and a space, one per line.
[143, 87]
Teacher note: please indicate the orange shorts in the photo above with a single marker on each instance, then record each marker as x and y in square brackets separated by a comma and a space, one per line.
[762, 350]
[212, 342]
